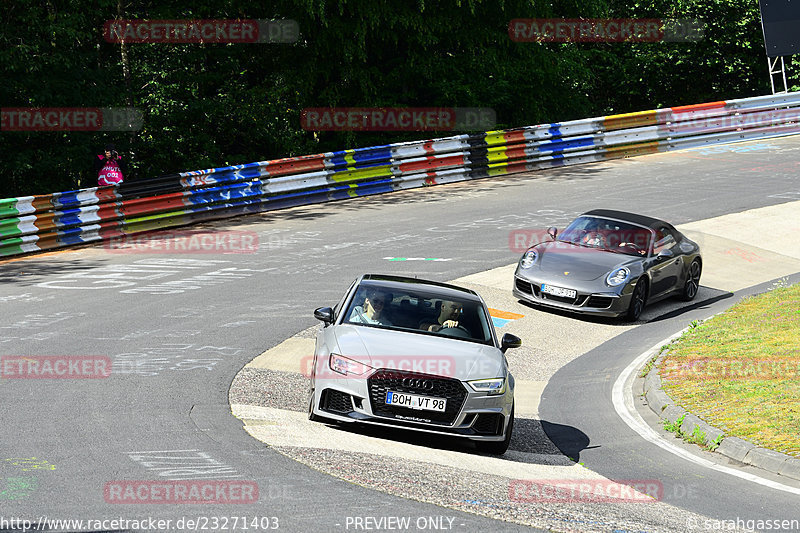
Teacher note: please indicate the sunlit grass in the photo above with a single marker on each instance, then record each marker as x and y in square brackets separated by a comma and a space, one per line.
[740, 371]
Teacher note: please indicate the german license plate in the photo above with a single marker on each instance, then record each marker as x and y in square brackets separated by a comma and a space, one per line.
[559, 291]
[414, 401]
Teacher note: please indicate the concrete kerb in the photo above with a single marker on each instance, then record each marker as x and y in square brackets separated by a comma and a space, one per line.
[713, 438]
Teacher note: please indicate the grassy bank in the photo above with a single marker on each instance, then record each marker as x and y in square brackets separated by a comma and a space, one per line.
[740, 370]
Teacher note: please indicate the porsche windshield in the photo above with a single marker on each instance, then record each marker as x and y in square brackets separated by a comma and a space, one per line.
[607, 234]
[419, 312]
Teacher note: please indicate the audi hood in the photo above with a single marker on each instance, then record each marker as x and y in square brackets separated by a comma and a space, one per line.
[428, 354]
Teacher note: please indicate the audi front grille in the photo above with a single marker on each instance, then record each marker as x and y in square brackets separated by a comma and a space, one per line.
[421, 384]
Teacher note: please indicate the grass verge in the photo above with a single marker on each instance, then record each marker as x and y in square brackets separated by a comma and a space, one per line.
[740, 370]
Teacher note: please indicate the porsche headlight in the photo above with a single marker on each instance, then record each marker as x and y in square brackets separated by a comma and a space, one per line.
[528, 258]
[492, 386]
[618, 276]
[345, 366]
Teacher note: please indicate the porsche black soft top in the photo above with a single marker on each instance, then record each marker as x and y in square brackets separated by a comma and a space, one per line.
[641, 220]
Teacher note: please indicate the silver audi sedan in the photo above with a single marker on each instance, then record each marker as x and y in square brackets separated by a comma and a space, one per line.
[414, 354]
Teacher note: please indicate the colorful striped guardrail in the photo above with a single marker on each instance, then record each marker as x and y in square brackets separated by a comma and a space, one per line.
[35, 223]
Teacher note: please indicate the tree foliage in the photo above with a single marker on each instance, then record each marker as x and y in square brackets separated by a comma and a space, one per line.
[207, 105]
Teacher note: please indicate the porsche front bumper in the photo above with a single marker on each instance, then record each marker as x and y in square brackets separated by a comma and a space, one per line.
[592, 302]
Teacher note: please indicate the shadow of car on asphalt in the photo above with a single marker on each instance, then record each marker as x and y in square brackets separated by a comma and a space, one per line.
[531, 437]
[660, 310]
[568, 440]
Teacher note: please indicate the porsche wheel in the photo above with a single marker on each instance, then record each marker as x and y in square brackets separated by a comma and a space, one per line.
[692, 284]
[638, 300]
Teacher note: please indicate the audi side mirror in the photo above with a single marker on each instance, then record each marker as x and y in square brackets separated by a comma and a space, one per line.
[509, 341]
[325, 314]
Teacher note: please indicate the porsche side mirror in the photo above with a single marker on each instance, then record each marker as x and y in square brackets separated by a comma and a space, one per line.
[666, 253]
[325, 314]
[509, 341]
[552, 231]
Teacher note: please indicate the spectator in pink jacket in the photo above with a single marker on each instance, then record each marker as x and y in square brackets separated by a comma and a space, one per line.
[109, 167]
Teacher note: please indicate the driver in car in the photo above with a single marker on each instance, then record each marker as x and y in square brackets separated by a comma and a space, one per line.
[449, 315]
[592, 235]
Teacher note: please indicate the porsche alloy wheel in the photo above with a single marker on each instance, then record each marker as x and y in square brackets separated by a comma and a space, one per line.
[692, 284]
[638, 299]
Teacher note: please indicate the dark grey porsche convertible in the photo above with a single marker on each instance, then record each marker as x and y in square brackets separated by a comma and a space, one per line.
[609, 263]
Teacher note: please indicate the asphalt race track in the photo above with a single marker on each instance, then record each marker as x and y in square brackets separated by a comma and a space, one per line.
[177, 327]
[612, 449]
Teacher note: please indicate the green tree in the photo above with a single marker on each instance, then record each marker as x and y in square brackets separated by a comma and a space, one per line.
[208, 105]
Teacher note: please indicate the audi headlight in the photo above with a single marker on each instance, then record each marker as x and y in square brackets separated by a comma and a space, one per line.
[492, 387]
[345, 366]
[528, 258]
[618, 276]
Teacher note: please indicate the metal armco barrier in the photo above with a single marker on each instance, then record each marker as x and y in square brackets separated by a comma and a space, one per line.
[34, 223]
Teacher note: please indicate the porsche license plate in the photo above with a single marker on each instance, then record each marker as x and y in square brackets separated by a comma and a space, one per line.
[414, 401]
[559, 291]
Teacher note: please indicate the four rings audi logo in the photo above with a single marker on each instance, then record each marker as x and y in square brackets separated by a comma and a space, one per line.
[417, 383]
